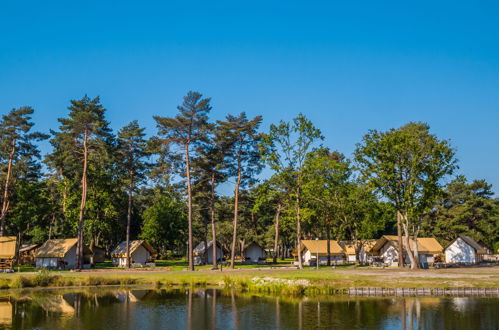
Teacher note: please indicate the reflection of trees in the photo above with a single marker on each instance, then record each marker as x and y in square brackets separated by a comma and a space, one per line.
[200, 309]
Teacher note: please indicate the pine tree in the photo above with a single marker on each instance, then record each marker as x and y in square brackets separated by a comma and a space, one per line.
[84, 139]
[242, 158]
[185, 131]
[132, 149]
[18, 153]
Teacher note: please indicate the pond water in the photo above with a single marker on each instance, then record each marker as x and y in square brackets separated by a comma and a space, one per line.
[214, 309]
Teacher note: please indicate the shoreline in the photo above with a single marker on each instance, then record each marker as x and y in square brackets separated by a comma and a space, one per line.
[278, 280]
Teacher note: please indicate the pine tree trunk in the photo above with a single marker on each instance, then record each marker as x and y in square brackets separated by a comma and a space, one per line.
[399, 235]
[5, 202]
[276, 237]
[298, 229]
[79, 247]
[213, 227]
[189, 208]
[128, 221]
[328, 236]
[234, 224]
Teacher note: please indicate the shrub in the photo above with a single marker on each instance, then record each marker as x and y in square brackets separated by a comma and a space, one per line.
[43, 278]
[20, 282]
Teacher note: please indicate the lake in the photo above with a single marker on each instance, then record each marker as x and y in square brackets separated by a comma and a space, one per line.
[105, 308]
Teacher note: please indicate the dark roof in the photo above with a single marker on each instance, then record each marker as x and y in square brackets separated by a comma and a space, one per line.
[200, 249]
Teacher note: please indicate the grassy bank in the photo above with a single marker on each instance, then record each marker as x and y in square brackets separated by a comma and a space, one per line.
[280, 281]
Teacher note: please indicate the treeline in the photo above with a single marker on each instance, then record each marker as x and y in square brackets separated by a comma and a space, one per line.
[105, 187]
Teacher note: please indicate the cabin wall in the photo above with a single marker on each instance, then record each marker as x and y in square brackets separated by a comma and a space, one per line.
[254, 252]
[460, 252]
[47, 262]
[70, 257]
[210, 254]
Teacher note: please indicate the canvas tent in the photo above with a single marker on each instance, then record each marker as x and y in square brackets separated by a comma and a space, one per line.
[27, 254]
[254, 253]
[61, 254]
[140, 253]
[464, 250]
[202, 254]
[310, 249]
[387, 249]
[8, 249]
[349, 251]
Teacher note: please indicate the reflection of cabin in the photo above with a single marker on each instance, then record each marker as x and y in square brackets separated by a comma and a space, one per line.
[202, 254]
[131, 295]
[27, 254]
[254, 253]
[61, 254]
[8, 246]
[464, 250]
[6, 313]
[58, 303]
[387, 249]
[310, 249]
[141, 253]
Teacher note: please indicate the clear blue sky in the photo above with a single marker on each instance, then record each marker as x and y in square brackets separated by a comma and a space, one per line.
[348, 67]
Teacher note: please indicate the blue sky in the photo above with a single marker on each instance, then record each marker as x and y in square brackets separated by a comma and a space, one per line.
[349, 67]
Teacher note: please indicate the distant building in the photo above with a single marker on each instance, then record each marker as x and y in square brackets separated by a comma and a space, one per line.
[204, 254]
[387, 249]
[464, 250]
[254, 253]
[349, 250]
[27, 254]
[366, 251]
[61, 254]
[140, 253]
[312, 248]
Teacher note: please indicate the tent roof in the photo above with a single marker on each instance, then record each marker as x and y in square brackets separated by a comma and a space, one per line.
[427, 245]
[320, 246]
[471, 242]
[200, 249]
[8, 246]
[56, 248]
[253, 243]
[29, 247]
[120, 251]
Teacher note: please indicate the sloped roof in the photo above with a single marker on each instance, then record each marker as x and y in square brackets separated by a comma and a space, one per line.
[471, 242]
[253, 243]
[320, 246]
[427, 245]
[56, 248]
[348, 247]
[120, 251]
[369, 244]
[28, 247]
[200, 249]
[8, 246]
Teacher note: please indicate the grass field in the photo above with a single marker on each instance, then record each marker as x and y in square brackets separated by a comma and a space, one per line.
[278, 278]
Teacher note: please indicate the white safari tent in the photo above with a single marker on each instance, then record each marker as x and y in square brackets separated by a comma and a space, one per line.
[60, 254]
[204, 254]
[254, 253]
[140, 253]
[464, 250]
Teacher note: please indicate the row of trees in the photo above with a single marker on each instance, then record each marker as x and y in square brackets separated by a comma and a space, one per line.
[105, 187]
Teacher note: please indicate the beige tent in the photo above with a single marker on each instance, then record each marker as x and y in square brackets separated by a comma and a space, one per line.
[8, 246]
[140, 253]
[60, 253]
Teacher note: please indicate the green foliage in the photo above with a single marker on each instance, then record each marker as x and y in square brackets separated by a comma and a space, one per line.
[164, 224]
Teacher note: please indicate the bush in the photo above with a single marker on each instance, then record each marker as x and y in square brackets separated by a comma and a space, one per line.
[43, 278]
[21, 282]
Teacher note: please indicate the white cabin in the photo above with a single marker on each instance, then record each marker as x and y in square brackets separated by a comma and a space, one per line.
[254, 253]
[141, 253]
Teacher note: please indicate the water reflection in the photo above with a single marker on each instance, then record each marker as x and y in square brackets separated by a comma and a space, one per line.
[214, 309]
